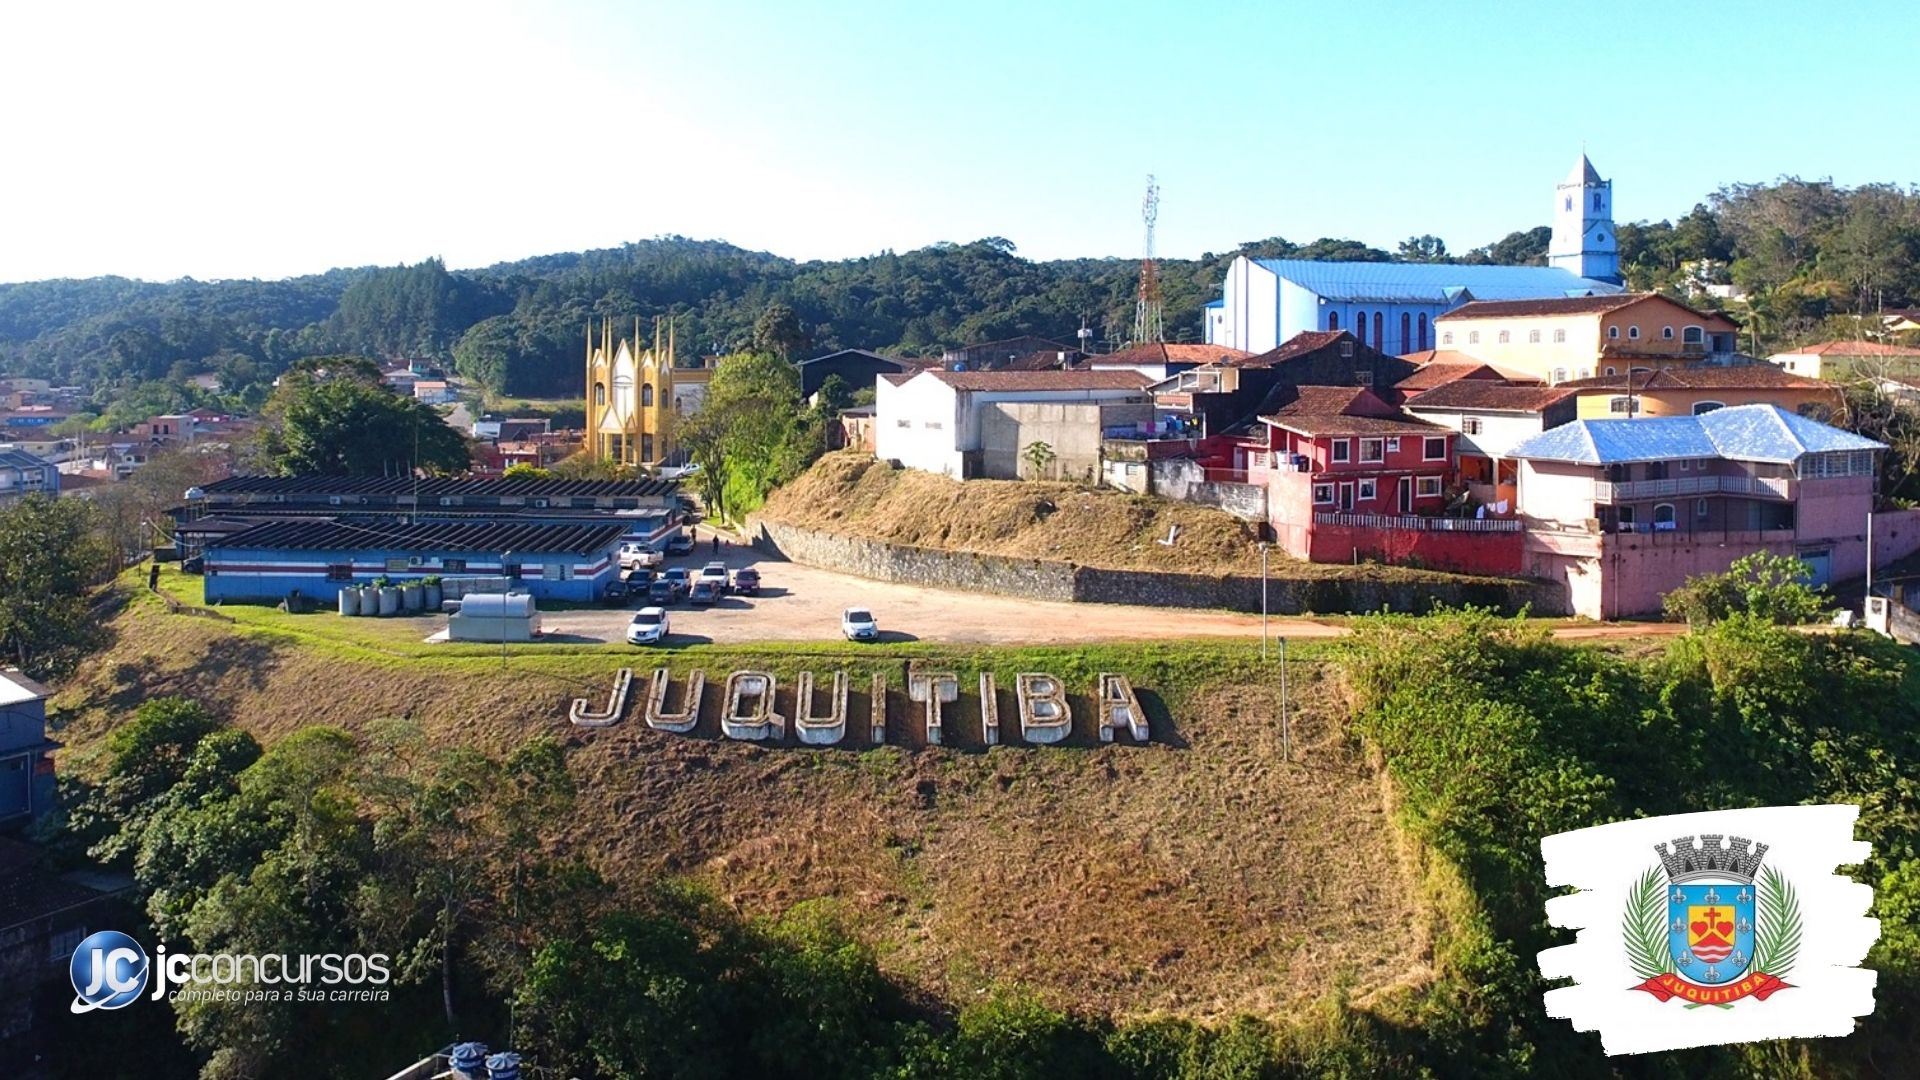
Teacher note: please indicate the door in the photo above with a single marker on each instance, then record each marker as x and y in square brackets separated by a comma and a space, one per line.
[1819, 566]
[1346, 497]
[1406, 494]
[16, 775]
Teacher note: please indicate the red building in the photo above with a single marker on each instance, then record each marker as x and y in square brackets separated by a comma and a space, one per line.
[1349, 476]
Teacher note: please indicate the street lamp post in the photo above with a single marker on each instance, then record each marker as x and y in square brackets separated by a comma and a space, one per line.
[1263, 601]
[506, 575]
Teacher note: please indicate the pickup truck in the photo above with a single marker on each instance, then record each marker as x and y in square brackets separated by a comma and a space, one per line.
[638, 553]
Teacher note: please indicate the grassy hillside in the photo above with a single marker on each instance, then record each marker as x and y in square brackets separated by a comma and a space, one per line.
[1204, 876]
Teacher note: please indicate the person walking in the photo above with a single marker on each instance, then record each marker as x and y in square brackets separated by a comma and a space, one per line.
[716, 542]
[153, 578]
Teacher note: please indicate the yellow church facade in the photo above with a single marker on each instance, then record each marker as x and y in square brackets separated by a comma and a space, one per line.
[630, 411]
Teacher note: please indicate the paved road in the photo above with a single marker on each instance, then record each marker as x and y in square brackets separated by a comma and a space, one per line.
[803, 603]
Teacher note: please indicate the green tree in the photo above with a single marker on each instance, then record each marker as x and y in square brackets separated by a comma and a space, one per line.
[332, 416]
[50, 555]
[1038, 455]
[1425, 248]
[777, 332]
[752, 434]
[1768, 587]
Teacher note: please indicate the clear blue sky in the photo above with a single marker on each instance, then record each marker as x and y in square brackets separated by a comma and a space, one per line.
[232, 139]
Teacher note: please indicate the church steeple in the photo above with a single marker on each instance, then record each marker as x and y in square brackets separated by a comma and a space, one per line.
[1583, 240]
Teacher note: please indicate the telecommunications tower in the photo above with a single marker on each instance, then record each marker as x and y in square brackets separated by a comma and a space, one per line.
[1147, 325]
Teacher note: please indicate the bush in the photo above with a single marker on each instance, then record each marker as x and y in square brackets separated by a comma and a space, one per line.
[1770, 587]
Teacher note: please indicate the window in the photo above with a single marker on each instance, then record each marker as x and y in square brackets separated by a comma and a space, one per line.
[1372, 450]
[397, 565]
[1470, 425]
[1423, 332]
[1533, 337]
[1426, 487]
[1610, 371]
[1692, 335]
[1346, 350]
[555, 571]
[1598, 204]
[339, 571]
[1623, 405]
[1640, 371]
[1323, 493]
[646, 395]
[1342, 449]
[453, 566]
[1686, 464]
[1586, 372]
[510, 570]
[599, 393]
[1626, 518]
[1702, 407]
[1360, 326]
[1699, 508]
[1368, 490]
[1613, 333]
[1560, 337]
[1663, 517]
[1503, 337]
[1393, 444]
[1364, 378]
[1333, 320]
[1379, 331]
[1666, 333]
[1435, 448]
[1406, 331]
[1473, 337]
[1446, 338]
[1633, 333]
[1559, 375]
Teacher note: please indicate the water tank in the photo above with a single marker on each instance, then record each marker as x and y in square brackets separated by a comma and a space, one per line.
[195, 494]
[503, 1066]
[497, 605]
[389, 599]
[413, 596]
[349, 600]
[469, 1061]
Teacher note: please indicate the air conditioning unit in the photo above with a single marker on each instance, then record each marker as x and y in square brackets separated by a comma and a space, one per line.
[279, 498]
[333, 500]
[415, 560]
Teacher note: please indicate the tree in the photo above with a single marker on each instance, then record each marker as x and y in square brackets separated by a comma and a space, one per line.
[332, 416]
[777, 332]
[1038, 456]
[752, 434]
[50, 554]
[1425, 248]
[1770, 588]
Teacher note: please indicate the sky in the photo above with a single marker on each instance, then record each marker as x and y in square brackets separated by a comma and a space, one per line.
[235, 140]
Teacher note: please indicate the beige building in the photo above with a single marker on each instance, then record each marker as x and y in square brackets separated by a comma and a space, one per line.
[1578, 337]
[630, 397]
[1848, 359]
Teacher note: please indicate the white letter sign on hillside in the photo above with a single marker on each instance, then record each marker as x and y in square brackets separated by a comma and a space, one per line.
[1701, 929]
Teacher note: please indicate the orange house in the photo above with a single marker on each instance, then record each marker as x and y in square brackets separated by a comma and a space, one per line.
[1690, 391]
[1576, 337]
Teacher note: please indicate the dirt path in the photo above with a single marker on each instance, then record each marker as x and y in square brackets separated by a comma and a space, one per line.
[803, 603]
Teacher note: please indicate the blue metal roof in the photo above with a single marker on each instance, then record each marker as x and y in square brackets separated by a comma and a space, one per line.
[1431, 283]
[1215, 303]
[1742, 433]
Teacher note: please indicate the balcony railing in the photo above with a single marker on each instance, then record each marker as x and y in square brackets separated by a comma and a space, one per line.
[1765, 487]
[1414, 523]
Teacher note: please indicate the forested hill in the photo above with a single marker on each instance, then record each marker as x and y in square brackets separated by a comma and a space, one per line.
[1805, 250]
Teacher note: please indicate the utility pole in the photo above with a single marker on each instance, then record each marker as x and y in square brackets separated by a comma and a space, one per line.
[1286, 720]
[1263, 601]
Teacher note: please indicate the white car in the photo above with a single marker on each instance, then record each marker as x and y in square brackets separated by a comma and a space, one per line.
[649, 627]
[638, 553]
[716, 572]
[858, 624]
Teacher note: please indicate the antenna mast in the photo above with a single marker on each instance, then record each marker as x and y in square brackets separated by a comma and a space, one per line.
[1147, 325]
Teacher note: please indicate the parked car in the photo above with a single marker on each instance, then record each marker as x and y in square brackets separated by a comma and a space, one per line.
[616, 594]
[678, 575]
[858, 624]
[666, 591]
[638, 553]
[705, 591]
[746, 581]
[715, 572]
[639, 577]
[650, 626]
[680, 543]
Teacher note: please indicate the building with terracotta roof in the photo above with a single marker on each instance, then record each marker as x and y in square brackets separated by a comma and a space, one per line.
[1845, 359]
[1391, 305]
[1491, 417]
[1689, 391]
[1231, 391]
[994, 355]
[978, 424]
[1558, 339]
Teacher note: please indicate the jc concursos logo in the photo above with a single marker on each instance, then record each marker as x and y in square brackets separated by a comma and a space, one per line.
[109, 970]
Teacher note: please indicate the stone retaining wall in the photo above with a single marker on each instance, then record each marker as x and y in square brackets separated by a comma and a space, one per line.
[1041, 579]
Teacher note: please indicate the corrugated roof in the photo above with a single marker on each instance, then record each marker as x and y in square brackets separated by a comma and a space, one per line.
[20, 459]
[1430, 283]
[508, 487]
[1741, 433]
[434, 536]
[1010, 381]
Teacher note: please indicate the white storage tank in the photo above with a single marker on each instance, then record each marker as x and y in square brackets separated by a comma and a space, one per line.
[494, 617]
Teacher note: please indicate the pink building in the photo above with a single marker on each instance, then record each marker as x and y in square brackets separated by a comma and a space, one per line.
[1623, 511]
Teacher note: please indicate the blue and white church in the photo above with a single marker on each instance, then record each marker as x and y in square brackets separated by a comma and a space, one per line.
[1391, 306]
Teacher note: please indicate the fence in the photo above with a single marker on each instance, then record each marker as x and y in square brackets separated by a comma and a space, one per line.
[1418, 524]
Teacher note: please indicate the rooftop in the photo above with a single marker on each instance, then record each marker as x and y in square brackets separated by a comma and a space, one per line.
[16, 688]
[491, 538]
[1570, 305]
[1171, 353]
[1014, 381]
[1430, 283]
[1316, 424]
[439, 487]
[1440, 373]
[1490, 395]
[20, 459]
[1764, 433]
[895, 361]
[29, 890]
[1852, 348]
[1729, 377]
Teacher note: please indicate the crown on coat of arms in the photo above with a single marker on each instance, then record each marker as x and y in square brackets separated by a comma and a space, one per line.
[1687, 862]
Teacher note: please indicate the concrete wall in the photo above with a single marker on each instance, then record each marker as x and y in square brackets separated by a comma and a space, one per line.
[1007, 428]
[1499, 431]
[918, 425]
[1186, 480]
[1038, 579]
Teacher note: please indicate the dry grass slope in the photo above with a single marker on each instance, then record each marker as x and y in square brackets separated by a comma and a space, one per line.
[1202, 876]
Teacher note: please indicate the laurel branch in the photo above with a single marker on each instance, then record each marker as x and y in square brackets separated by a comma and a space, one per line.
[1776, 938]
[1645, 929]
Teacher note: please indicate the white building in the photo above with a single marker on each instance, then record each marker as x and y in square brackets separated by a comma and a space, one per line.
[968, 424]
[1583, 243]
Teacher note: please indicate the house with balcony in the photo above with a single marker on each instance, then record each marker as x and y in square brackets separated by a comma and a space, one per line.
[1621, 512]
[1560, 339]
[1491, 416]
[1689, 391]
[1348, 476]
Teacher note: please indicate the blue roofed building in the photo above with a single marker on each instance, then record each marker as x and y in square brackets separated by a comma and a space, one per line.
[1621, 512]
[1391, 306]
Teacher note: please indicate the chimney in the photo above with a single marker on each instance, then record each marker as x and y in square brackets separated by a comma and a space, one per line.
[468, 1061]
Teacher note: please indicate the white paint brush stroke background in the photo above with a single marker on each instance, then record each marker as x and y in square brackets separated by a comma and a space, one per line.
[1805, 843]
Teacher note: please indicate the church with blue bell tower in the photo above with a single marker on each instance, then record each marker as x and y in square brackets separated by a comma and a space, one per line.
[1583, 241]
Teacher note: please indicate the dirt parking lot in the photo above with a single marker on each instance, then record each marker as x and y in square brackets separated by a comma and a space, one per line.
[802, 603]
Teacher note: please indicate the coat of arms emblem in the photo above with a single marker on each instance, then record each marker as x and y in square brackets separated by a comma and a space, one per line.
[1710, 925]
